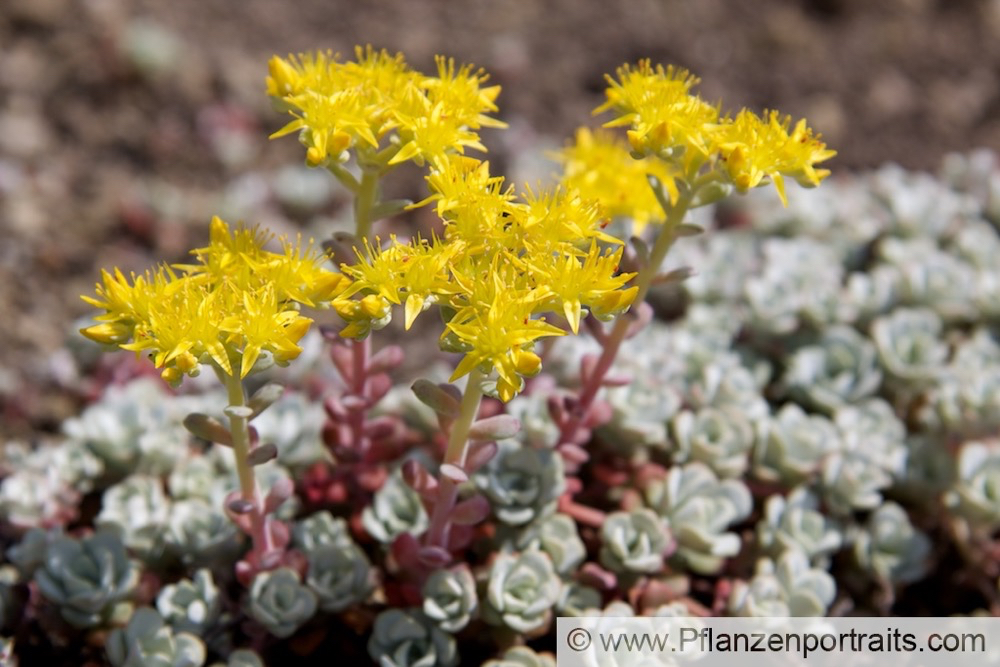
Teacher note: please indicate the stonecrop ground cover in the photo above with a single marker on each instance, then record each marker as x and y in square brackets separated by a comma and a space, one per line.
[580, 454]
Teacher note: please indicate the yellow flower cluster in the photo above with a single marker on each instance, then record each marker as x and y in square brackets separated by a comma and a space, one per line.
[235, 303]
[665, 119]
[343, 105]
[503, 263]
[600, 164]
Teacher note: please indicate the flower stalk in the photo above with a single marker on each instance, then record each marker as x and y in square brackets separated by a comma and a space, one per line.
[364, 202]
[572, 425]
[250, 493]
[455, 456]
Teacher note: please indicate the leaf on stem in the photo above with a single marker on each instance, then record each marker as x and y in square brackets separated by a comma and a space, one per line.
[262, 454]
[437, 398]
[208, 428]
[264, 397]
[471, 511]
[498, 427]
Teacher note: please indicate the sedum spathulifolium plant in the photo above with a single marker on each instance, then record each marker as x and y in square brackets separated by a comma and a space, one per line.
[793, 414]
[237, 308]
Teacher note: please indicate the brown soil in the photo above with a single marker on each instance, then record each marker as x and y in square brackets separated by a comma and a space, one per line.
[104, 161]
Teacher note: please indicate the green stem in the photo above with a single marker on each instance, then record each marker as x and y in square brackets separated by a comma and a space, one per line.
[239, 428]
[240, 431]
[458, 449]
[643, 281]
[364, 202]
[344, 176]
[469, 408]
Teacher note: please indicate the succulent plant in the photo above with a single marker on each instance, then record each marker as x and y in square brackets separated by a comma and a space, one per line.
[800, 283]
[930, 277]
[280, 602]
[918, 204]
[792, 445]
[320, 529]
[890, 548]
[339, 574]
[136, 427]
[29, 554]
[407, 638]
[723, 260]
[395, 509]
[721, 439]
[930, 469]
[719, 379]
[796, 522]
[37, 499]
[634, 542]
[521, 484]
[450, 598]
[137, 509]
[74, 463]
[641, 413]
[789, 587]
[865, 296]
[293, 423]
[521, 656]
[557, 536]
[909, 345]
[711, 325]
[149, 642]
[975, 173]
[44, 483]
[200, 534]
[840, 213]
[578, 600]
[521, 591]
[977, 242]
[699, 509]
[966, 401]
[975, 496]
[191, 605]
[199, 477]
[538, 430]
[90, 580]
[840, 368]
[872, 427]
[851, 481]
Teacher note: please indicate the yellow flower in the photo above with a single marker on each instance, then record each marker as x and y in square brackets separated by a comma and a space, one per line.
[754, 149]
[573, 282]
[461, 93]
[601, 165]
[372, 312]
[292, 76]
[236, 302]
[665, 118]
[501, 265]
[499, 332]
[558, 220]
[355, 105]
[263, 323]
[331, 124]
[427, 132]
